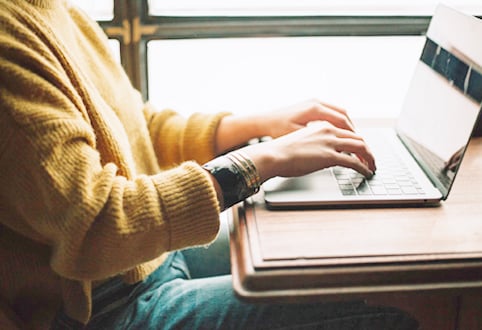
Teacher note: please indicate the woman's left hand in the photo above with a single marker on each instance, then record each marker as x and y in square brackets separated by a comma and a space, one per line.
[292, 118]
[237, 130]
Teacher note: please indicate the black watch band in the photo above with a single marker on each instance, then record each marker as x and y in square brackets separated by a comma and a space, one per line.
[236, 176]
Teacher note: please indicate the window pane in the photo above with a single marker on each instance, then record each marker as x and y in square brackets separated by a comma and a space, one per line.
[114, 45]
[366, 75]
[100, 10]
[305, 7]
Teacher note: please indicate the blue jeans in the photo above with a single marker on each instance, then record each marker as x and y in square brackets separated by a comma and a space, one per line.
[170, 298]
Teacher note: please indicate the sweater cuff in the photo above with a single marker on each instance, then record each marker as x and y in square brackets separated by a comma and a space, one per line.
[199, 140]
[189, 205]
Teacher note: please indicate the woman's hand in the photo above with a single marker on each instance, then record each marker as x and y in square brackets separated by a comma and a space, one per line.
[292, 118]
[307, 137]
[316, 146]
[237, 130]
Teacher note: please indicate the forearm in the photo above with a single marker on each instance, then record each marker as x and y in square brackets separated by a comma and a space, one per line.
[234, 131]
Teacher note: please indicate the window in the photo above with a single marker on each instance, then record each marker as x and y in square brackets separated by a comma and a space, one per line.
[303, 7]
[253, 74]
[100, 10]
[253, 55]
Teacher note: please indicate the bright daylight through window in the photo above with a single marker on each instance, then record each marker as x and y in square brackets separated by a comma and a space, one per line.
[256, 55]
[305, 7]
[368, 75]
[100, 10]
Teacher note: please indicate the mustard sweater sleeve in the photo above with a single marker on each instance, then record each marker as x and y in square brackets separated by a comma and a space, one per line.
[69, 175]
[177, 139]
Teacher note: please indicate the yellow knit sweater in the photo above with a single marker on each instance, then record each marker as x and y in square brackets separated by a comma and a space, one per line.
[82, 194]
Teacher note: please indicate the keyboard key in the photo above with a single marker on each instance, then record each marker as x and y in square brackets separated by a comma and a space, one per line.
[396, 191]
[378, 190]
[392, 186]
[348, 192]
[363, 189]
[409, 190]
[346, 186]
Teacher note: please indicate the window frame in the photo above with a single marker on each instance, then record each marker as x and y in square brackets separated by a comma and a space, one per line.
[133, 27]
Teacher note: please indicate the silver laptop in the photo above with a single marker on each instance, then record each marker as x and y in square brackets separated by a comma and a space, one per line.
[418, 159]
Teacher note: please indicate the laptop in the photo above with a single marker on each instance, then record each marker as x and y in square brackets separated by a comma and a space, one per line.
[418, 158]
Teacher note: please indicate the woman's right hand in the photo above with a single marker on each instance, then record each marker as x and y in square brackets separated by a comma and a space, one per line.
[317, 146]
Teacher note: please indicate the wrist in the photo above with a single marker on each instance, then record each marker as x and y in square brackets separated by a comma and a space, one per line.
[236, 176]
[265, 159]
[234, 131]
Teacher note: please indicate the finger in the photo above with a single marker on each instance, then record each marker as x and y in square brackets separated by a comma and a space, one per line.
[338, 117]
[346, 134]
[354, 163]
[323, 111]
[341, 111]
[330, 105]
[334, 107]
[356, 146]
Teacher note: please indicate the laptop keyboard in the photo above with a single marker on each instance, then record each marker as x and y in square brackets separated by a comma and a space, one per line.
[392, 178]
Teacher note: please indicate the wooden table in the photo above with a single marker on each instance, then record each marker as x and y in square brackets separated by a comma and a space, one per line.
[427, 261]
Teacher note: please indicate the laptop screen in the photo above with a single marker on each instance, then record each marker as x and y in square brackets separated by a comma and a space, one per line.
[440, 111]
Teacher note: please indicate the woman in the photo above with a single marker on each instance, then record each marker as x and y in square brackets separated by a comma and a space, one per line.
[99, 191]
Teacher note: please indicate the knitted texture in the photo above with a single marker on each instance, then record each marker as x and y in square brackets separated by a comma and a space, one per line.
[94, 183]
